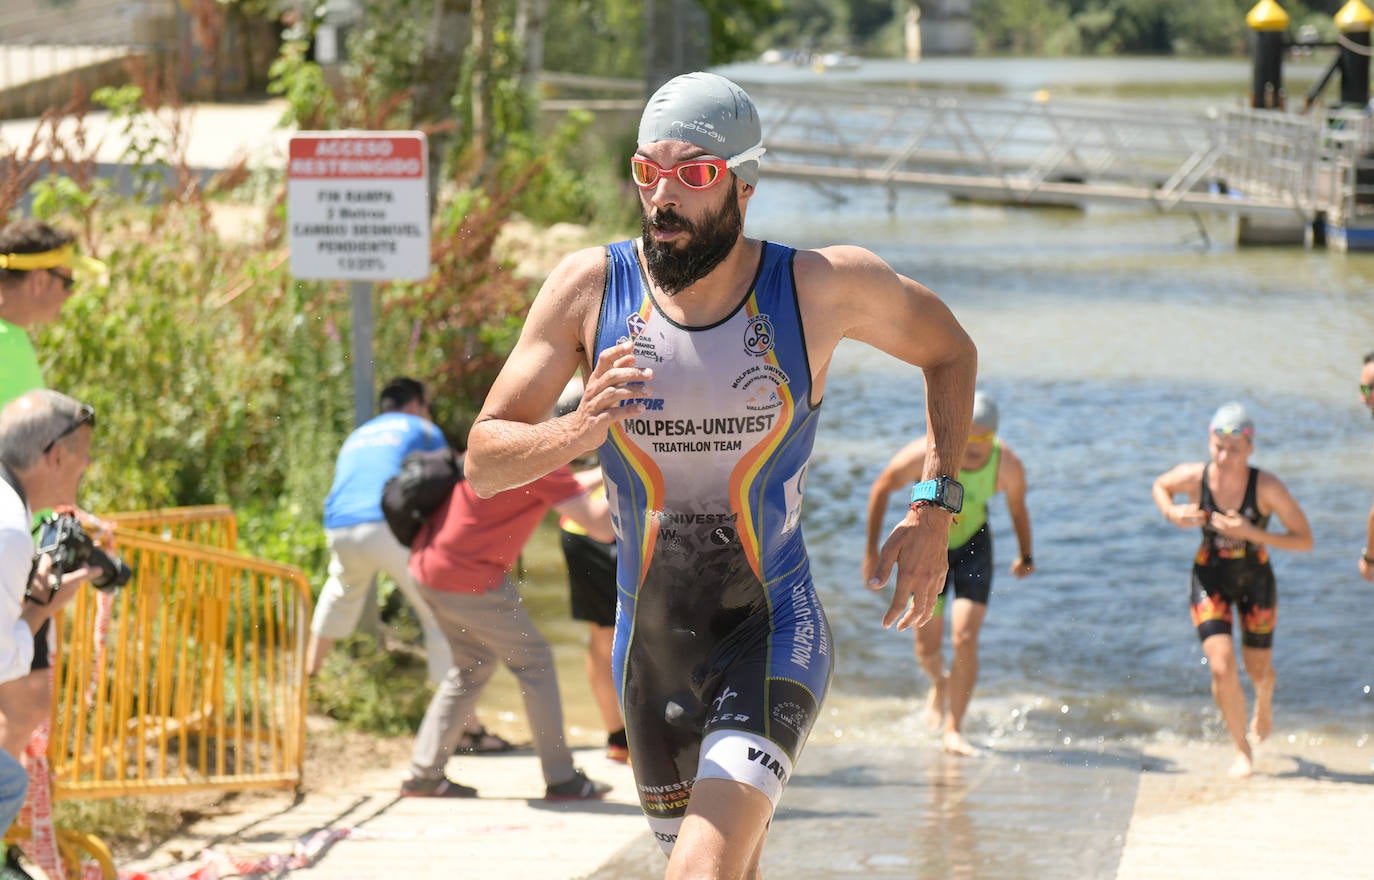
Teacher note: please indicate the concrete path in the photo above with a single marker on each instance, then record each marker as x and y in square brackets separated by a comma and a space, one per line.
[851, 811]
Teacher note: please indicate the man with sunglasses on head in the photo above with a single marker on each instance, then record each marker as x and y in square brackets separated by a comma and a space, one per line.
[45, 448]
[1232, 503]
[39, 267]
[1367, 398]
[704, 355]
[989, 467]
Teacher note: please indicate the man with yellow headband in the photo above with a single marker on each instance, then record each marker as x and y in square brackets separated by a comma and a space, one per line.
[989, 467]
[39, 266]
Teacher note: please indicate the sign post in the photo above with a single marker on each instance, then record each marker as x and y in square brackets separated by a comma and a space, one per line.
[357, 207]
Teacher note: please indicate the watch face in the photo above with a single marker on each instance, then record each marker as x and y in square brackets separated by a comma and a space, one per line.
[945, 492]
[954, 495]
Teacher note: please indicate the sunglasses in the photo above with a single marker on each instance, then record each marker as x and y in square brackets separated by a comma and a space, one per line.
[985, 437]
[84, 416]
[694, 173]
[1365, 389]
[67, 280]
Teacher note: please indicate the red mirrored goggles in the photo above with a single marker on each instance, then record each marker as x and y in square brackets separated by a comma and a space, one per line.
[694, 173]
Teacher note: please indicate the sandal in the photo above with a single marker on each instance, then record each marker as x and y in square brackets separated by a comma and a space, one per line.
[481, 742]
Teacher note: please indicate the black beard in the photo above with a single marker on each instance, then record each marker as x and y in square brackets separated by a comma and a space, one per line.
[673, 268]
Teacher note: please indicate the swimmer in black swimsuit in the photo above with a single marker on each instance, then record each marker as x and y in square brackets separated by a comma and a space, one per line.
[705, 355]
[1232, 503]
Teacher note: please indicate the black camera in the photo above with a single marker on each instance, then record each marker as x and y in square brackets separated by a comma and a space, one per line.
[60, 536]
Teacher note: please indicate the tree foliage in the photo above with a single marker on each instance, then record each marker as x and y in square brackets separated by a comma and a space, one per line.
[1110, 27]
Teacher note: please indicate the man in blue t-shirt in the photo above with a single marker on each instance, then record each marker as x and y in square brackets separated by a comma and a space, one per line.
[360, 542]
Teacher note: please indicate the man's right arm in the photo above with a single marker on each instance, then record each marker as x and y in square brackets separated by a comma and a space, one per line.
[16, 649]
[513, 442]
[19, 617]
[1184, 479]
[900, 472]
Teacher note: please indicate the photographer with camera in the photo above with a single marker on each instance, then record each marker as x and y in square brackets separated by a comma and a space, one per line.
[45, 448]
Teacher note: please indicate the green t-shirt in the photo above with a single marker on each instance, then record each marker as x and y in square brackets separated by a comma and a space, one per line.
[19, 371]
[979, 486]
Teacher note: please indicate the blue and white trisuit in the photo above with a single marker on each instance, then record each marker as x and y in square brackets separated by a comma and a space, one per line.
[722, 650]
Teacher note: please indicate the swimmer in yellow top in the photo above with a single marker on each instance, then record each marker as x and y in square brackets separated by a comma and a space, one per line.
[989, 467]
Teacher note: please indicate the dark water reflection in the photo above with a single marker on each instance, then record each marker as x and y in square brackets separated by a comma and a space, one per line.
[915, 812]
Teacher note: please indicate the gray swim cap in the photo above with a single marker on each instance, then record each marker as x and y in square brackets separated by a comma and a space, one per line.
[711, 112]
[984, 411]
[1231, 418]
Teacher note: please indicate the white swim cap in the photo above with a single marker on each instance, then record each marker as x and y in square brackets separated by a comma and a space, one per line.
[1231, 418]
[984, 411]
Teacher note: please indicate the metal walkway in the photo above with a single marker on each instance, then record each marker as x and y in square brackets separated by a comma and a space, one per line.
[1236, 161]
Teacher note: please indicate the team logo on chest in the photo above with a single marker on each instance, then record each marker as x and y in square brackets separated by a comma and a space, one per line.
[635, 323]
[758, 336]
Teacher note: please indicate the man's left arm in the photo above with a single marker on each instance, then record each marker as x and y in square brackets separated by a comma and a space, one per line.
[1366, 566]
[1011, 479]
[1274, 496]
[591, 511]
[871, 303]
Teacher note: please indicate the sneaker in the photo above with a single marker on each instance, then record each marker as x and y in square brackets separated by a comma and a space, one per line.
[579, 788]
[10, 869]
[482, 742]
[617, 749]
[439, 787]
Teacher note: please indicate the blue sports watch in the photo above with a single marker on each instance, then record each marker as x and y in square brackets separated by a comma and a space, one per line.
[944, 492]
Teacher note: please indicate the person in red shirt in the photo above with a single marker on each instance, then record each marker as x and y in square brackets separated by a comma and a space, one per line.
[461, 561]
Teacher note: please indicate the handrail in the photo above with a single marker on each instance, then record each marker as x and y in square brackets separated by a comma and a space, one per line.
[1233, 160]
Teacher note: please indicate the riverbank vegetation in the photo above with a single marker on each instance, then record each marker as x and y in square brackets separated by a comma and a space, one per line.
[219, 378]
[874, 28]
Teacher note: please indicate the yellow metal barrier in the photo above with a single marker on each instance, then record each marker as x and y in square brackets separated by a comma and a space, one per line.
[75, 847]
[190, 677]
[202, 682]
[213, 525]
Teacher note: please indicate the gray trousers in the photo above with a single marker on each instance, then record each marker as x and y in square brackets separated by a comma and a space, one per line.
[357, 554]
[483, 628]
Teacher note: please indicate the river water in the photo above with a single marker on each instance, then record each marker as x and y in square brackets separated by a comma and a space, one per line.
[1108, 337]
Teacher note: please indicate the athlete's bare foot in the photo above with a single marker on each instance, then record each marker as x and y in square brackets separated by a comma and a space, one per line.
[1263, 723]
[955, 744]
[934, 712]
[1241, 767]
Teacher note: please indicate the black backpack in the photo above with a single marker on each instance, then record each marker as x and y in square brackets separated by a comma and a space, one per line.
[425, 481]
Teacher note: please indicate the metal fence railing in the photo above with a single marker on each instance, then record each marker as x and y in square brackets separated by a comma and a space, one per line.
[190, 677]
[1235, 160]
[22, 63]
[212, 525]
